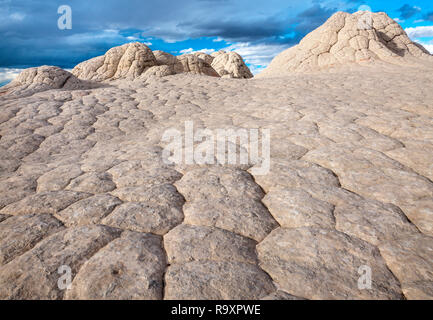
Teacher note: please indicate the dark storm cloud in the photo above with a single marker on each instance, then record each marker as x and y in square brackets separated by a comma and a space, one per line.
[30, 36]
[407, 11]
[429, 16]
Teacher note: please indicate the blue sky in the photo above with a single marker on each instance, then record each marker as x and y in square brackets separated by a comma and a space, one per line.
[258, 30]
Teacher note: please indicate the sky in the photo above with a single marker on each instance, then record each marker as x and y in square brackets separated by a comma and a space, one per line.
[256, 29]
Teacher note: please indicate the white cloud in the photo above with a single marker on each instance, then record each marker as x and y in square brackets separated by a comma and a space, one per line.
[420, 32]
[399, 20]
[429, 47]
[8, 74]
[257, 56]
[17, 16]
[191, 50]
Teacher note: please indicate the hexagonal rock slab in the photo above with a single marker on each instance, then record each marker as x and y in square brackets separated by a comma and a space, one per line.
[295, 174]
[296, 208]
[373, 221]
[45, 202]
[142, 173]
[187, 243]
[323, 264]
[92, 182]
[225, 198]
[411, 260]
[159, 210]
[58, 178]
[34, 275]
[89, 211]
[211, 280]
[21, 233]
[130, 267]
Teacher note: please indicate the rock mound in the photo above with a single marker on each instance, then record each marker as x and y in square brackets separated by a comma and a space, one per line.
[127, 61]
[230, 65]
[43, 78]
[348, 38]
[136, 60]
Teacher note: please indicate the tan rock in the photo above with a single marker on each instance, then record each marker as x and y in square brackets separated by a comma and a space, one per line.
[127, 61]
[34, 275]
[187, 243]
[348, 38]
[231, 65]
[88, 211]
[281, 295]
[21, 233]
[44, 78]
[158, 210]
[296, 208]
[129, 267]
[323, 264]
[45, 202]
[411, 259]
[225, 198]
[373, 222]
[212, 280]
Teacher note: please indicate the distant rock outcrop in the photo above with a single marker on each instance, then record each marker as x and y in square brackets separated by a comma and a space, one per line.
[348, 38]
[230, 65]
[127, 61]
[43, 78]
[136, 60]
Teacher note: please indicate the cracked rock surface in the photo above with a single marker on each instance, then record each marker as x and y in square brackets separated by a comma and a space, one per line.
[84, 184]
[349, 38]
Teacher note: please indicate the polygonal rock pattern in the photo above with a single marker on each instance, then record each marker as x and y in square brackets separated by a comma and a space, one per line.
[323, 264]
[225, 198]
[129, 267]
[83, 181]
[34, 275]
[347, 38]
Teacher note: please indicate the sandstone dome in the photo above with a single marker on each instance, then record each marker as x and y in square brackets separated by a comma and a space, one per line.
[230, 65]
[43, 78]
[348, 38]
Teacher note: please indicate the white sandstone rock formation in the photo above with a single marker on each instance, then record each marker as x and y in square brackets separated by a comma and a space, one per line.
[136, 60]
[230, 65]
[43, 78]
[348, 38]
[127, 61]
